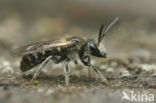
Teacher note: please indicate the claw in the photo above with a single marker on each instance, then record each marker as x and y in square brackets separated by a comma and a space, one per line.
[102, 78]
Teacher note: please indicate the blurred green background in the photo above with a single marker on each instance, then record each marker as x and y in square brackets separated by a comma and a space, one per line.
[26, 21]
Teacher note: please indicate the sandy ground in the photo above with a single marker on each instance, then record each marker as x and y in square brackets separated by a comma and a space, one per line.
[50, 87]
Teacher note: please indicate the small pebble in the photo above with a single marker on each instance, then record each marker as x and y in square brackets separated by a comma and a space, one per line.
[110, 70]
[5, 67]
[103, 67]
[40, 90]
[124, 73]
[49, 92]
[148, 67]
[114, 64]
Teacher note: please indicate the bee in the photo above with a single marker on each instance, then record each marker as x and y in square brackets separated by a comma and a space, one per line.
[69, 48]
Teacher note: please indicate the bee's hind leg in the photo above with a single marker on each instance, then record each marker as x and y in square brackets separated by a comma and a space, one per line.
[66, 71]
[100, 75]
[41, 67]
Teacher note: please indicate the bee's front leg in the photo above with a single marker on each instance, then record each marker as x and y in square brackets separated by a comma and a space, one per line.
[66, 71]
[99, 74]
[86, 61]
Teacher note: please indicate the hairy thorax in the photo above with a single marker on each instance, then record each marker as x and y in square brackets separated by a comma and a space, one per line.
[72, 53]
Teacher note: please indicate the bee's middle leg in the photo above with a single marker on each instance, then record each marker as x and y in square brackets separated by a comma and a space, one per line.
[66, 71]
[41, 67]
[77, 66]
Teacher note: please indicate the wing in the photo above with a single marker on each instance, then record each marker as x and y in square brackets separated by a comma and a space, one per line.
[42, 46]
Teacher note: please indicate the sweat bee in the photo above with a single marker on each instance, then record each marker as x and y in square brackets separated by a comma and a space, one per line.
[70, 48]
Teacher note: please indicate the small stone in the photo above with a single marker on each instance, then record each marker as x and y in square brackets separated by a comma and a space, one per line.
[152, 85]
[49, 92]
[5, 67]
[103, 67]
[124, 73]
[114, 64]
[148, 67]
[40, 90]
[153, 75]
[110, 70]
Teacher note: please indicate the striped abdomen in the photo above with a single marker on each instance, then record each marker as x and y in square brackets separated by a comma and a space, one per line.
[31, 60]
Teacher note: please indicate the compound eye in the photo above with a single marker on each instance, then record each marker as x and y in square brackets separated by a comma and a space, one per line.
[76, 41]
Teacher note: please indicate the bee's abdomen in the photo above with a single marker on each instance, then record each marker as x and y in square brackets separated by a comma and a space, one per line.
[31, 60]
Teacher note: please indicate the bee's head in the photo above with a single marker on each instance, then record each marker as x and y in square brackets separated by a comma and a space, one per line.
[92, 48]
[96, 49]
